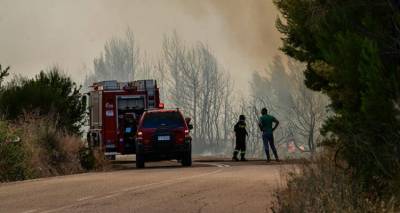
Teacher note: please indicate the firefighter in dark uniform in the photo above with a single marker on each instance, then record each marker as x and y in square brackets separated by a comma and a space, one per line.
[241, 133]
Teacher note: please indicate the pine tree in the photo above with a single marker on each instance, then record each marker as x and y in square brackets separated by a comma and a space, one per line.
[351, 49]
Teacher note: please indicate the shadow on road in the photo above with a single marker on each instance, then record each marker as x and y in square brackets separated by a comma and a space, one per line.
[129, 165]
[197, 163]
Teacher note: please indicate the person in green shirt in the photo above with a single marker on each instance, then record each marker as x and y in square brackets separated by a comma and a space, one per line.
[268, 124]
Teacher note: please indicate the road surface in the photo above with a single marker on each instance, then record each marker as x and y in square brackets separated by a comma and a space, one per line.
[208, 186]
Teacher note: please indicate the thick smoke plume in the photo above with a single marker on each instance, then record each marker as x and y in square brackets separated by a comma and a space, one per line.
[250, 25]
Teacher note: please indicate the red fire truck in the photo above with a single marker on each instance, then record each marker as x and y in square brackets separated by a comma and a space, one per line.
[114, 109]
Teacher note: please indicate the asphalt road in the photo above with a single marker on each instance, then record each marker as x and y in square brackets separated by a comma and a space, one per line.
[208, 186]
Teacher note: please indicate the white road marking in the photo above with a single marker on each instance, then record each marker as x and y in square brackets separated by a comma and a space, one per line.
[219, 165]
[30, 211]
[85, 198]
[139, 188]
[110, 196]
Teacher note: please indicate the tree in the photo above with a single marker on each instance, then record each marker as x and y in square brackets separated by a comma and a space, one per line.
[120, 60]
[199, 85]
[352, 54]
[49, 93]
[300, 111]
[3, 73]
[173, 54]
[307, 112]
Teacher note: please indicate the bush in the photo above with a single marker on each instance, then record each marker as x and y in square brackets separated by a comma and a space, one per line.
[13, 156]
[50, 93]
[53, 151]
[93, 159]
[41, 136]
[320, 186]
[43, 150]
[3, 73]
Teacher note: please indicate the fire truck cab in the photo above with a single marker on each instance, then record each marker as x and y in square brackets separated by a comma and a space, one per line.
[115, 109]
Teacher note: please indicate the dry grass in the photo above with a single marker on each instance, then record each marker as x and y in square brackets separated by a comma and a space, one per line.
[52, 152]
[43, 150]
[320, 186]
[101, 163]
[14, 163]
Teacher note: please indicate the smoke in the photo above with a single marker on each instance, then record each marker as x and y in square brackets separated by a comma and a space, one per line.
[250, 25]
[41, 33]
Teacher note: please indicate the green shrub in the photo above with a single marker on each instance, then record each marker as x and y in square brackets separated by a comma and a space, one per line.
[87, 158]
[42, 134]
[3, 73]
[93, 159]
[14, 163]
[50, 93]
[41, 151]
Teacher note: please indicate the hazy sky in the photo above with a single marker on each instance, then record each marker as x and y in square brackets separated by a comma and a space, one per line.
[35, 34]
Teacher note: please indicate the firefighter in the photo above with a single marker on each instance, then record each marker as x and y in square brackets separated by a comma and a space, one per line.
[187, 120]
[241, 133]
[266, 126]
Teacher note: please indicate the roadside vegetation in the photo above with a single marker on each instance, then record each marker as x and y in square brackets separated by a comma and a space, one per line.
[320, 186]
[48, 93]
[351, 53]
[40, 128]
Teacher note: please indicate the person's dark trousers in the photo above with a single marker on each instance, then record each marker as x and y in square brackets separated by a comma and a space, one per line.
[240, 147]
[268, 140]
